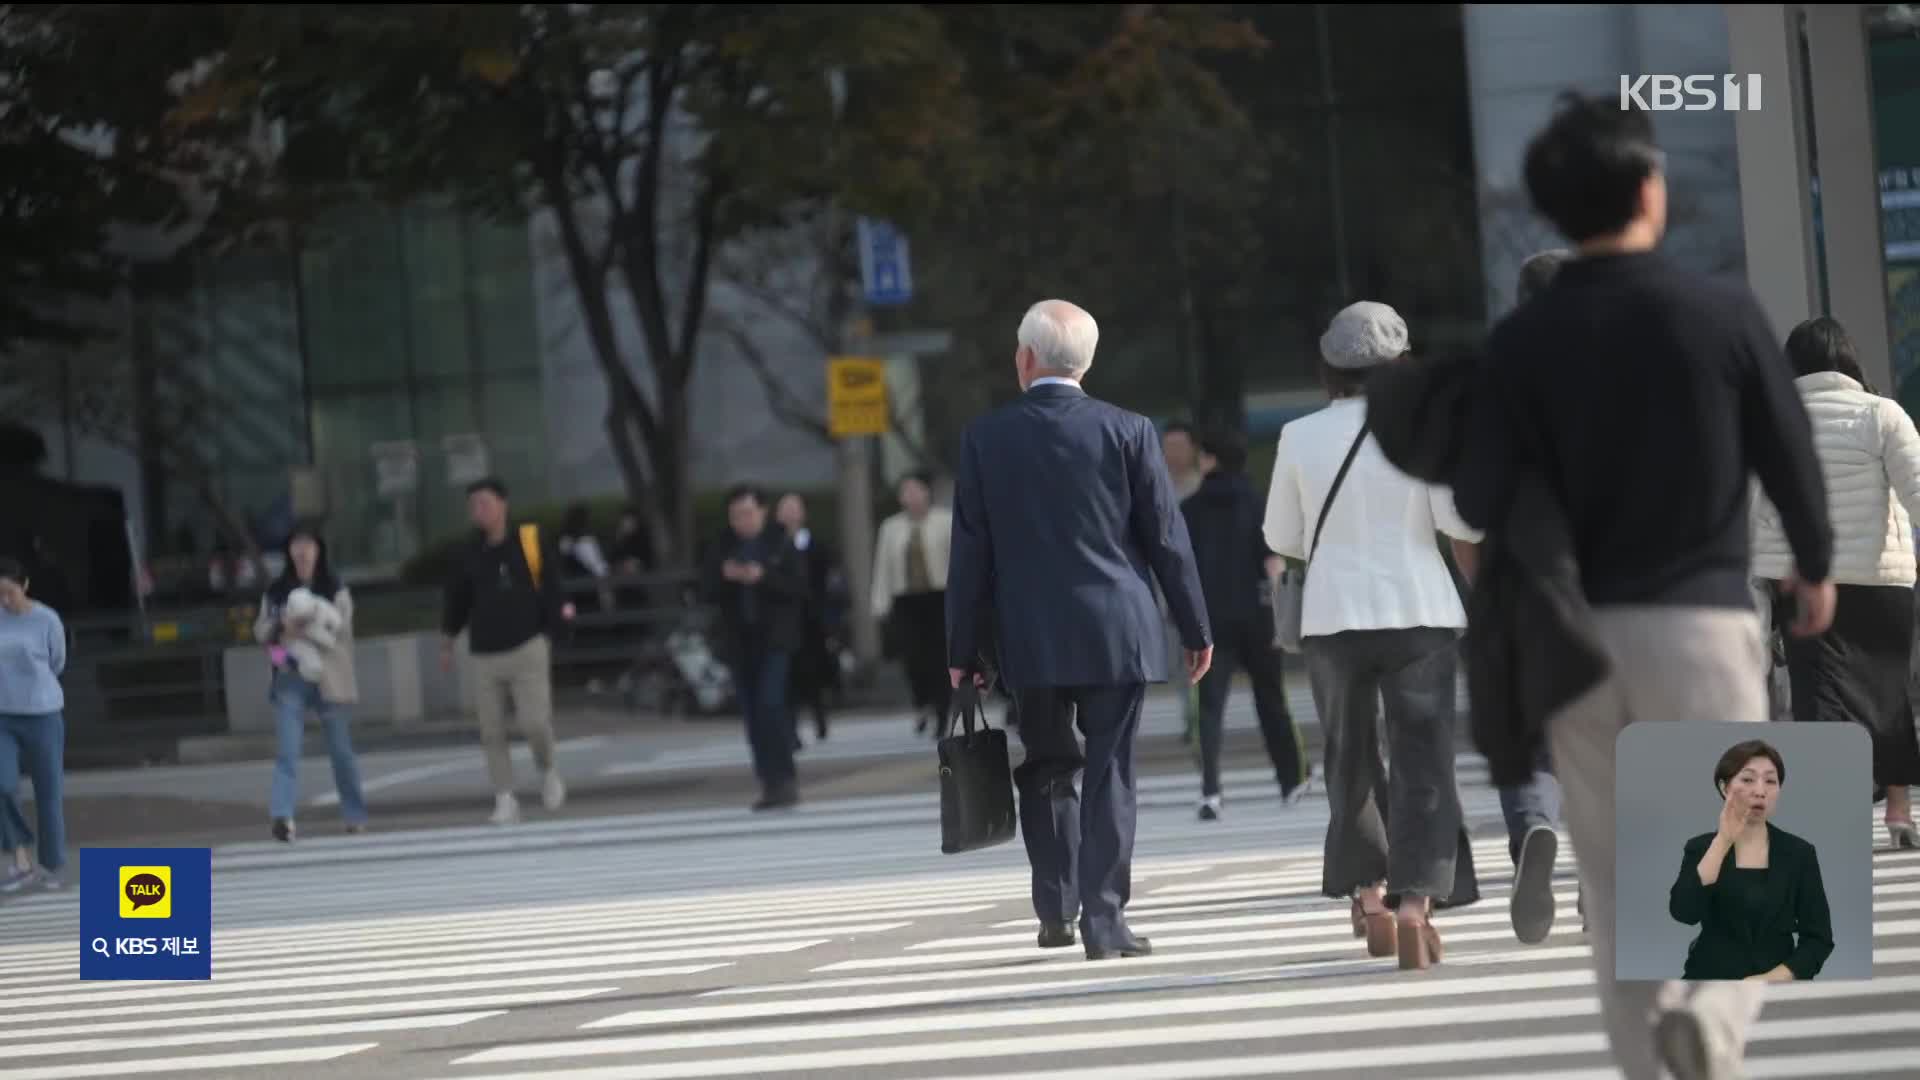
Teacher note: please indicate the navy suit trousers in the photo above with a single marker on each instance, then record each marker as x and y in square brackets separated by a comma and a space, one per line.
[1080, 844]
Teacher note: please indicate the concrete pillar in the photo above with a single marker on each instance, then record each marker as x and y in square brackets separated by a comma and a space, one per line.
[1776, 199]
[1849, 183]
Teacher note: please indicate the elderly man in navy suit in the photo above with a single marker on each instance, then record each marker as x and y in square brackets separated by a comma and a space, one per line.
[1063, 517]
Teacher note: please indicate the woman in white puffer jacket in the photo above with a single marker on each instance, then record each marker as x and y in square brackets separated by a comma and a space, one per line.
[1858, 670]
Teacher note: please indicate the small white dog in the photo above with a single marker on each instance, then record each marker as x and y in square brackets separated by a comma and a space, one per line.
[321, 631]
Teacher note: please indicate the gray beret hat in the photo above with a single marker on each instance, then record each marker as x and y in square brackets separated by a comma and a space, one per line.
[1364, 335]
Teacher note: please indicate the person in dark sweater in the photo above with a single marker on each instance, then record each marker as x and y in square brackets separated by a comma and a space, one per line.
[1224, 517]
[1643, 396]
[505, 596]
[758, 580]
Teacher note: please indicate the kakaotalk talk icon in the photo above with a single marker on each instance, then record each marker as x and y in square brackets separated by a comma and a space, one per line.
[146, 892]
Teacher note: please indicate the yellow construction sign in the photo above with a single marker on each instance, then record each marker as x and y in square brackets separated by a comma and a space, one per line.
[856, 396]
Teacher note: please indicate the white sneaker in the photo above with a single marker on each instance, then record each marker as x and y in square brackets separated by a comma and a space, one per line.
[554, 792]
[1300, 791]
[506, 809]
[13, 879]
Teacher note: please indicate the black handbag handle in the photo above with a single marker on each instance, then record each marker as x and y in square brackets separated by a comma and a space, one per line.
[965, 707]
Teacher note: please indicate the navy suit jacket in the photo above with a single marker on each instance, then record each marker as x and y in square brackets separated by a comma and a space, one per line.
[1063, 517]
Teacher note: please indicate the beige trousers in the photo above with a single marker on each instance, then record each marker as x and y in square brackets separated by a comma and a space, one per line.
[524, 676]
[1671, 665]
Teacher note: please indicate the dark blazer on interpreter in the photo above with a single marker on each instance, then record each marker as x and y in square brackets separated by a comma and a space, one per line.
[1752, 921]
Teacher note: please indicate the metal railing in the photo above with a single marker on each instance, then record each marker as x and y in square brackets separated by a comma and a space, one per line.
[162, 674]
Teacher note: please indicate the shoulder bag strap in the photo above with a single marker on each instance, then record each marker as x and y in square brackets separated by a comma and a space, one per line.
[1338, 479]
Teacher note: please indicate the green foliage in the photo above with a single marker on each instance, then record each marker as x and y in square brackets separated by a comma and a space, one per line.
[82, 100]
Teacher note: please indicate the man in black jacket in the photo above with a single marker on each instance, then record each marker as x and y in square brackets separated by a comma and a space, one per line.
[1224, 517]
[505, 595]
[1642, 397]
[759, 583]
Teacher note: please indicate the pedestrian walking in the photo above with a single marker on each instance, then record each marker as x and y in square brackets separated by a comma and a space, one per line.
[1380, 624]
[1180, 445]
[1857, 672]
[1064, 518]
[33, 728]
[505, 596]
[1224, 523]
[1640, 397]
[910, 559]
[1531, 809]
[816, 660]
[306, 623]
[756, 578]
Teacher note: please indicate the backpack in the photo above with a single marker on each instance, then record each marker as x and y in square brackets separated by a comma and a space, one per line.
[530, 548]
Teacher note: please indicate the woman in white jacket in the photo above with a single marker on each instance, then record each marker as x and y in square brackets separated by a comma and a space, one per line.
[910, 593]
[1380, 620]
[1857, 671]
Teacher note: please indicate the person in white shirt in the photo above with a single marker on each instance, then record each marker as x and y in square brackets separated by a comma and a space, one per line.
[1857, 671]
[910, 593]
[1380, 622]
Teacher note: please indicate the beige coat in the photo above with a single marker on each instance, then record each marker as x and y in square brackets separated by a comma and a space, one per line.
[338, 684]
[890, 555]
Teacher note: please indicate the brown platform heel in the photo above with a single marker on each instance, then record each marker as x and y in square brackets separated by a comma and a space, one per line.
[1420, 946]
[1380, 931]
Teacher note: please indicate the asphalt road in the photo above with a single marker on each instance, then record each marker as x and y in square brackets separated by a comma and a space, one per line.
[836, 941]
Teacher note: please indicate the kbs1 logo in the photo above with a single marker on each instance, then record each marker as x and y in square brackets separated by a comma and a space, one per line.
[1690, 93]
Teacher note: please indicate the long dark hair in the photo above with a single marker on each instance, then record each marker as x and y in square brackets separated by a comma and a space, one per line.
[325, 584]
[1822, 344]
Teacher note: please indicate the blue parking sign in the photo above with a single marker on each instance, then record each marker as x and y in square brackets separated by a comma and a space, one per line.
[886, 264]
[146, 913]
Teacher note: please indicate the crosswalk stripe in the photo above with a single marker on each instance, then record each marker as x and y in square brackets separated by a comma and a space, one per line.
[326, 1012]
[991, 1020]
[188, 1065]
[551, 944]
[377, 998]
[246, 988]
[157, 1041]
[235, 948]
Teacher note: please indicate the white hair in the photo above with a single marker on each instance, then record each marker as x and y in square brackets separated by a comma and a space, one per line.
[1061, 335]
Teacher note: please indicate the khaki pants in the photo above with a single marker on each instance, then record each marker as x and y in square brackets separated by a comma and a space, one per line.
[1671, 665]
[524, 675]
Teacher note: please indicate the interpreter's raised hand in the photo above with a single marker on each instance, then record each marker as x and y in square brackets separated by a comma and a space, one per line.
[1733, 814]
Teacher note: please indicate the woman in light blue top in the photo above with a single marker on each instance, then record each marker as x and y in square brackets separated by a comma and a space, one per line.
[33, 653]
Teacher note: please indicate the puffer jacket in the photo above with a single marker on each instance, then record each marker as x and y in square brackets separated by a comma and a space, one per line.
[1870, 455]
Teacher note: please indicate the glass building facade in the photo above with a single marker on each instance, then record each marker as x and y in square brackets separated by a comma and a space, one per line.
[355, 379]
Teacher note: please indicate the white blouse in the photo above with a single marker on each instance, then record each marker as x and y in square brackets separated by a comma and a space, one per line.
[1379, 566]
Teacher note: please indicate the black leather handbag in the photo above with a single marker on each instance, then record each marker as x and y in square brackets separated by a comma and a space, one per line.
[976, 779]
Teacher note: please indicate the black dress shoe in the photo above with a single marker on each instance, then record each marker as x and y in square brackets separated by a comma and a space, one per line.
[778, 799]
[1137, 947]
[1056, 935]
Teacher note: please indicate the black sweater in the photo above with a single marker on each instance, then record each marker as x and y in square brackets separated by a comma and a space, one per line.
[1647, 395]
[1224, 523]
[492, 595]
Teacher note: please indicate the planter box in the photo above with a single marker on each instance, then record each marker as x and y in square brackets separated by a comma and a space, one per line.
[401, 684]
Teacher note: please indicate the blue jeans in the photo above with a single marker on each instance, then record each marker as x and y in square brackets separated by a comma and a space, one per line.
[292, 697]
[37, 746]
[1535, 802]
